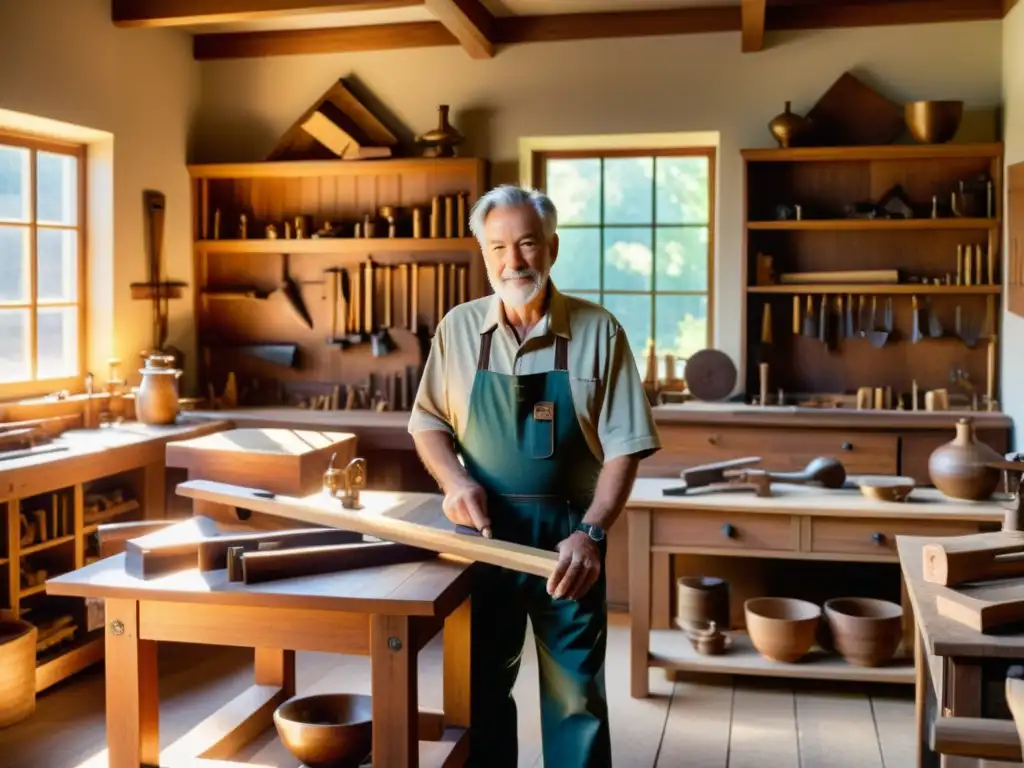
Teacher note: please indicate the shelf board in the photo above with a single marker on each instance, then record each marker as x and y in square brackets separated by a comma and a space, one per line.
[670, 649]
[108, 514]
[903, 288]
[334, 245]
[886, 152]
[84, 653]
[867, 225]
[48, 544]
[36, 590]
[393, 166]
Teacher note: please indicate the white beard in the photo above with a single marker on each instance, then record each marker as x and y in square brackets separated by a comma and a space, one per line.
[518, 295]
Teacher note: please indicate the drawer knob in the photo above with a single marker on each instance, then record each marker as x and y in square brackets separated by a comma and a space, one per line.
[878, 538]
[729, 531]
[713, 439]
[847, 446]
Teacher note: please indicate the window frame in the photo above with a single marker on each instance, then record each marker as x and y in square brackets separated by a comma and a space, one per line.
[537, 166]
[35, 387]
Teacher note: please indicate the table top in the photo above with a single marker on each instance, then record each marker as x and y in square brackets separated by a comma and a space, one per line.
[942, 636]
[427, 588]
[787, 499]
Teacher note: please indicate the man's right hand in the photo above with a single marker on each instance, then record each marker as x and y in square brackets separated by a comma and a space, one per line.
[465, 503]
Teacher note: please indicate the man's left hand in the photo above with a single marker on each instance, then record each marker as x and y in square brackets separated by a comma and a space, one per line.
[579, 565]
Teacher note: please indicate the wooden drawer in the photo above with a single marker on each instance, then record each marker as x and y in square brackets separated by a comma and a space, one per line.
[725, 530]
[868, 536]
[783, 450]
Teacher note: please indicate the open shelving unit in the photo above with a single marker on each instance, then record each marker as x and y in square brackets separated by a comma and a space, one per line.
[417, 274]
[905, 210]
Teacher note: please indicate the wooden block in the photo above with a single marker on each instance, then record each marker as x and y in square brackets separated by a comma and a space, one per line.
[290, 462]
[258, 567]
[851, 113]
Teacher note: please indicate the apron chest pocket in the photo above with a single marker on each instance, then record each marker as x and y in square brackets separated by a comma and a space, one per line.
[537, 433]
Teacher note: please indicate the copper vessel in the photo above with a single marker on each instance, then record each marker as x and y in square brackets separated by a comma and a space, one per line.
[441, 141]
[331, 730]
[933, 122]
[790, 129]
[960, 467]
[157, 398]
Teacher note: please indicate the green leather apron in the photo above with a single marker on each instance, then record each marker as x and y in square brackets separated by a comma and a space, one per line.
[524, 445]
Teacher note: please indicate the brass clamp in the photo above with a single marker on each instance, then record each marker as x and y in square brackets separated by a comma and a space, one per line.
[346, 483]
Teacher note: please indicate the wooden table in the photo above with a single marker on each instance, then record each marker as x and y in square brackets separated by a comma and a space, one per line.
[960, 674]
[796, 523]
[388, 613]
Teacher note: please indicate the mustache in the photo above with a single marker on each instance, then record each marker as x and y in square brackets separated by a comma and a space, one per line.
[520, 274]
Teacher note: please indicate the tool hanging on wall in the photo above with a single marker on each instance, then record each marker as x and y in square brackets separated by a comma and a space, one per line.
[293, 294]
[381, 342]
[337, 278]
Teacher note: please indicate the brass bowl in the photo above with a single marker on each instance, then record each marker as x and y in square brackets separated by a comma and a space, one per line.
[330, 730]
[933, 122]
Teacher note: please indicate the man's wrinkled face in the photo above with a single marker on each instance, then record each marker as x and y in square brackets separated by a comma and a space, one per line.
[518, 258]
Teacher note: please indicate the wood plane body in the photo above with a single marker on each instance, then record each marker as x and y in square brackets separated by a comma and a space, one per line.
[404, 518]
[260, 566]
[984, 606]
[213, 553]
[976, 557]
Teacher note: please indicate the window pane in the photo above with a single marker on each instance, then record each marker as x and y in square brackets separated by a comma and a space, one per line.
[681, 258]
[14, 184]
[56, 188]
[682, 325]
[593, 296]
[579, 259]
[682, 190]
[58, 265]
[634, 315]
[14, 346]
[14, 265]
[57, 346]
[574, 186]
[627, 259]
[628, 190]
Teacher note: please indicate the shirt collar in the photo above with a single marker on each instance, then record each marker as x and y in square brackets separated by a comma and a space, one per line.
[556, 320]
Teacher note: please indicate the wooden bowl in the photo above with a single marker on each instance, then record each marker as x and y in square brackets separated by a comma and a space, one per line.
[781, 628]
[933, 122]
[886, 487]
[866, 631]
[331, 730]
[17, 671]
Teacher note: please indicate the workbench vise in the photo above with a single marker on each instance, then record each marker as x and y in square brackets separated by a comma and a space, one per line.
[345, 484]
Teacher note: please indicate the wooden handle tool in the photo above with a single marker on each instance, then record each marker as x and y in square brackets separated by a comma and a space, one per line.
[370, 289]
[796, 315]
[414, 297]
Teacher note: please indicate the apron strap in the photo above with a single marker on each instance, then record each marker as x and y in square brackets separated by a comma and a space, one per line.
[483, 360]
[561, 353]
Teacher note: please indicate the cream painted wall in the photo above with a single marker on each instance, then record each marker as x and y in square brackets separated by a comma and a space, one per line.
[1012, 363]
[63, 60]
[670, 84]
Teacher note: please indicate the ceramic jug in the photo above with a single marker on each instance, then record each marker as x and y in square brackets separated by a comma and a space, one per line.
[157, 399]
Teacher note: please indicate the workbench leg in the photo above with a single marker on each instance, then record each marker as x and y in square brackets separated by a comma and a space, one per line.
[274, 666]
[661, 590]
[962, 692]
[456, 666]
[395, 692]
[154, 489]
[639, 601]
[133, 697]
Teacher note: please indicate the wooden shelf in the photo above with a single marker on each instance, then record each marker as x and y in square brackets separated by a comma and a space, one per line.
[283, 169]
[75, 658]
[908, 289]
[335, 245]
[868, 225]
[109, 514]
[899, 152]
[670, 649]
[46, 545]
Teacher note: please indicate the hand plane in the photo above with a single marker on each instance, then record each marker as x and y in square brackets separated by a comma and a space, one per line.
[738, 473]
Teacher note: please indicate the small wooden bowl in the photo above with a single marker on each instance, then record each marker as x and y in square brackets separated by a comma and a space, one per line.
[782, 628]
[866, 631]
[886, 487]
[331, 730]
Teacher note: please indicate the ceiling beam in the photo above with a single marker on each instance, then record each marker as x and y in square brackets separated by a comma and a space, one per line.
[177, 13]
[752, 32]
[892, 12]
[292, 42]
[471, 23]
[585, 26]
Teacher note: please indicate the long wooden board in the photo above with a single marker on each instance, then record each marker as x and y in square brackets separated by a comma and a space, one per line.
[415, 519]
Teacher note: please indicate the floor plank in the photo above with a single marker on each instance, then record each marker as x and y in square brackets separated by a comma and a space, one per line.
[763, 729]
[823, 743]
[697, 727]
[894, 725]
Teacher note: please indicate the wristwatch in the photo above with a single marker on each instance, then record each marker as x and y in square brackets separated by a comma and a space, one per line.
[595, 532]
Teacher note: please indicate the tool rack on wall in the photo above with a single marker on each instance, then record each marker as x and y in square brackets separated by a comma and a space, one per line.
[279, 245]
[909, 231]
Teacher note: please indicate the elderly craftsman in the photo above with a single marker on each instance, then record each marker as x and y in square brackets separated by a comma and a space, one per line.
[540, 396]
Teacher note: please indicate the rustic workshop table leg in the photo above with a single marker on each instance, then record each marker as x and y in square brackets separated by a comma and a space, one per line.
[639, 601]
[395, 692]
[154, 490]
[275, 667]
[133, 699]
[661, 590]
[961, 697]
[456, 666]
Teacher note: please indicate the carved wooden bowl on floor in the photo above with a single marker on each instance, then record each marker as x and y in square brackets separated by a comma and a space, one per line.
[331, 730]
[782, 628]
[866, 631]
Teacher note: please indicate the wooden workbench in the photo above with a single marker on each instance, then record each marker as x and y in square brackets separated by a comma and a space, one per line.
[960, 673]
[129, 455]
[388, 613]
[795, 524]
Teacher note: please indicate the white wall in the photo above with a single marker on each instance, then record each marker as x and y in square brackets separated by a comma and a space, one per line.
[1012, 363]
[652, 84]
[63, 60]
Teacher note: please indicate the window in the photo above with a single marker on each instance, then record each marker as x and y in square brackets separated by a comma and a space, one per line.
[41, 317]
[635, 233]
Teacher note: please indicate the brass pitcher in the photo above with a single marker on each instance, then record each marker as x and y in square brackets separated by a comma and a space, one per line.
[157, 399]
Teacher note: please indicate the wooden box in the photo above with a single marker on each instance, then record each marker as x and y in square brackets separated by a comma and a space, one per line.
[289, 462]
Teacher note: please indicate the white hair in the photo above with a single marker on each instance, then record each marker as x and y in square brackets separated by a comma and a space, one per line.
[511, 196]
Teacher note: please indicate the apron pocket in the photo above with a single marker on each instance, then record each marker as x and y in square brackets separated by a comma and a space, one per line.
[537, 437]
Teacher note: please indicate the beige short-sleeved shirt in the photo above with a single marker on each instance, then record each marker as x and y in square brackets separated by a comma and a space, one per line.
[608, 394]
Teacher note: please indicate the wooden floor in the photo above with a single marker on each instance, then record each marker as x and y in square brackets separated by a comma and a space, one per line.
[712, 723]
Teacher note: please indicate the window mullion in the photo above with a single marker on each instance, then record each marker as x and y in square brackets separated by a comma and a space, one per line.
[600, 224]
[33, 323]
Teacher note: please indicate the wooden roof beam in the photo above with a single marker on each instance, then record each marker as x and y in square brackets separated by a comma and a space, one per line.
[470, 23]
[752, 15]
[178, 13]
